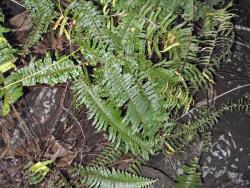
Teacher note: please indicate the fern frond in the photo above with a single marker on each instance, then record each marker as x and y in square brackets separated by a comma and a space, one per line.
[47, 71]
[107, 117]
[191, 177]
[108, 155]
[195, 78]
[7, 59]
[134, 167]
[10, 94]
[100, 177]
[90, 23]
[201, 124]
[169, 85]
[123, 89]
[217, 37]
[243, 104]
[41, 13]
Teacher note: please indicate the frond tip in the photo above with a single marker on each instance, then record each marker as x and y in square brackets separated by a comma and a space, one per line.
[191, 177]
[100, 177]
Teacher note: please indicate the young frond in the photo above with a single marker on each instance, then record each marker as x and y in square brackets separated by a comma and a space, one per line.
[100, 177]
[36, 173]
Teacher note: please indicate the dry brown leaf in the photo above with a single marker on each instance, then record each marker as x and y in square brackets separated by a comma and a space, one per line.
[21, 22]
[59, 153]
[7, 151]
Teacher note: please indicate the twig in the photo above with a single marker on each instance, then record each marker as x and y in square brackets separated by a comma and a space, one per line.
[78, 123]
[242, 44]
[22, 125]
[18, 3]
[214, 99]
[242, 28]
[61, 104]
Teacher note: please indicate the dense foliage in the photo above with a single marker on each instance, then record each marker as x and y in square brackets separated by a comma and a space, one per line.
[135, 65]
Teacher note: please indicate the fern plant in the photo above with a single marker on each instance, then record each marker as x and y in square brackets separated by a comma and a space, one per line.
[137, 66]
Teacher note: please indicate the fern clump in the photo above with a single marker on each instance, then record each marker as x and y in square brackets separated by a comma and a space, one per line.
[136, 66]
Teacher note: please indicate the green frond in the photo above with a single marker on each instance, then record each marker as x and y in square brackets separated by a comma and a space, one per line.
[7, 60]
[41, 13]
[170, 86]
[134, 167]
[201, 124]
[7, 57]
[90, 23]
[123, 88]
[10, 94]
[217, 37]
[47, 71]
[243, 104]
[108, 117]
[108, 155]
[191, 177]
[100, 177]
[94, 51]
[195, 79]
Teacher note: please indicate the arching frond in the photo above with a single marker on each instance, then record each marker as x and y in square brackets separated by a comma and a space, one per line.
[108, 117]
[47, 71]
[201, 124]
[108, 155]
[99, 177]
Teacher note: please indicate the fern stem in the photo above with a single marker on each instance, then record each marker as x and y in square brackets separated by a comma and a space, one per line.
[19, 4]
[213, 99]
